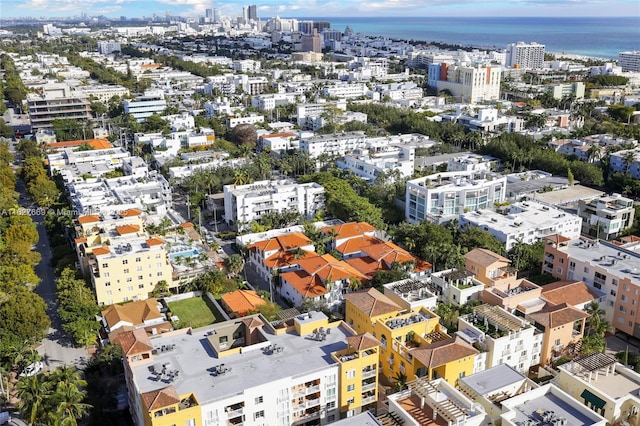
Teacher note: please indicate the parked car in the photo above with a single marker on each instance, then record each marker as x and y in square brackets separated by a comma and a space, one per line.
[32, 369]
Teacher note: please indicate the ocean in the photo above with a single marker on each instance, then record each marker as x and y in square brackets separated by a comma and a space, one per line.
[594, 37]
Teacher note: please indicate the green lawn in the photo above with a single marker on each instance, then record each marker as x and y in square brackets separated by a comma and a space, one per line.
[192, 312]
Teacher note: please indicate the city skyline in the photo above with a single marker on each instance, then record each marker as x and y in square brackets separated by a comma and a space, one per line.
[320, 8]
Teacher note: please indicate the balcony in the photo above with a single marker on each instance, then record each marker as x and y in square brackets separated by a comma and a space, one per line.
[312, 389]
[558, 347]
[369, 373]
[368, 400]
[235, 413]
[312, 402]
[368, 387]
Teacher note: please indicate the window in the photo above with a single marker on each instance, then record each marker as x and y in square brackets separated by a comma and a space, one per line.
[351, 388]
[614, 282]
[138, 259]
[108, 292]
[586, 270]
[125, 261]
[138, 268]
[612, 292]
[622, 309]
[106, 275]
[461, 375]
[623, 298]
[159, 274]
[140, 277]
[351, 374]
[129, 279]
[140, 285]
[259, 399]
[331, 404]
[107, 284]
[620, 319]
[126, 271]
[105, 265]
[158, 265]
[190, 422]
[223, 340]
[350, 401]
[258, 415]
[130, 288]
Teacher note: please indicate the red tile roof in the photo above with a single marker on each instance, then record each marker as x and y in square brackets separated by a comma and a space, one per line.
[127, 229]
[362, 342]
[282, 242]
[130, 212]
[135, 313]
[570, 292]
[355, 245]
[283, 259]
[558, 315]
[161, 398]
[99, 251]
[485, 257]
[99, 143]
[372, 303]
[242, 302]
[89, 219]
[443, 352]
[155, 242]
[134, 342]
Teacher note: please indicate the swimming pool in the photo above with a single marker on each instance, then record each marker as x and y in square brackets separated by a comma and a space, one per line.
[183, 251]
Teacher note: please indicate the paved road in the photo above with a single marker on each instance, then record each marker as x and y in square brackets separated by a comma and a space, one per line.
[57, 348]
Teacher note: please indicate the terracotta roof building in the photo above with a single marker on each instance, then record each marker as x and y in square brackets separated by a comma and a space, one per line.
[240, 303]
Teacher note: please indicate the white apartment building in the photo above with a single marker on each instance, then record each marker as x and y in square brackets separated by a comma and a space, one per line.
[525, 55]
[626, 161]
[345, 90]
[104, 92]
[446, 195]
[268, 102]
[559, 91]
[151, 102]
[184, 121]
[607, 216]
[73, 164]
[526, 222]
[243, 372]
[469, 83]
[368, 164]
[307, 113]
[487, 120]
[336, 144]
[56, 101]
[246, 203]
[250, 119]
[607, 268]
[506, 338]
[605, 385]
[223, 83]
[456, 286]
[246, 65]
[629, 61]
[221, 107]
[107, 47]
[278, 142]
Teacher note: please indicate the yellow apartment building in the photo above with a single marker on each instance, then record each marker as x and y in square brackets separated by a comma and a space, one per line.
[123, 262]
[358, 374]
[412, 343]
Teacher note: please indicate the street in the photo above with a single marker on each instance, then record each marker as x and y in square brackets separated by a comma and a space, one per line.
[57, 348]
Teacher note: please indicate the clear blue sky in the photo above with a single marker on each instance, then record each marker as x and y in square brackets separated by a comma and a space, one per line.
[324, 8]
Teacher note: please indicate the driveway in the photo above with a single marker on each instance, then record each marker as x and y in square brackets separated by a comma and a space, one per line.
[57, 349]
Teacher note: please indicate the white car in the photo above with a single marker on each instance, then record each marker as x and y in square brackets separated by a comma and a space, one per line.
[32, 369]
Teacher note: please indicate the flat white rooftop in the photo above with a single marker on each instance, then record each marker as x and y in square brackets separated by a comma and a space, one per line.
[489, 381]
[195, 360]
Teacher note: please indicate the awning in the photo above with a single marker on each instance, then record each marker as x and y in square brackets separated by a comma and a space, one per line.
[594, 400]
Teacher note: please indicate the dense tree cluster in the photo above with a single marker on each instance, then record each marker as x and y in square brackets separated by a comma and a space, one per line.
[77, 308]
[13, 89]
[54, 398]
[23, 318]
[42, 189]
[607, 80]
[519, 152]
[201, 70]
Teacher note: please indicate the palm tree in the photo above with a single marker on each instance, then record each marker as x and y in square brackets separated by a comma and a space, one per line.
[70, 407]
[33, 393]
[594, 153]
[234, 264]
[401, 381]
[597, 324]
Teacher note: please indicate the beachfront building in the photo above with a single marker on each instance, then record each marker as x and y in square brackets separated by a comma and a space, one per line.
[468, 83]
[123, 262]
[526, 222]
[247, 371]
[605, 217]
[609, 268]
[525, 55]
[447, 195]
[246, 203]
[629, 61]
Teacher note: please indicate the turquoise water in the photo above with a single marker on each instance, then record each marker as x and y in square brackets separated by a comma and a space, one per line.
[597, 37]
[184, 253]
